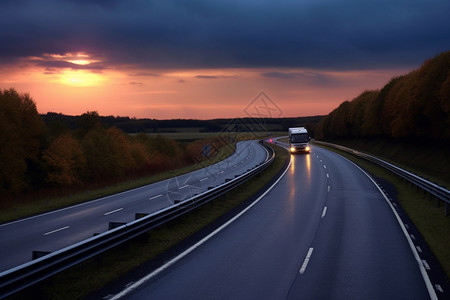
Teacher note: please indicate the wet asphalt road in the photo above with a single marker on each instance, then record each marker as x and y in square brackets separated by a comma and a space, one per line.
[58, 229]
[324, 231]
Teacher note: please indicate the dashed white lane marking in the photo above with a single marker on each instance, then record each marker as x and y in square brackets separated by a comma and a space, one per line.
[203, 179]
[425, 264]
[62, 228]
[154, 197]
[198, 244]
[328, 175]
[218, 173]
[439, 288]
[324, 166]
[113, 211]
[328, 189]
[306, 261]
[419, 249]
[183, 187]
[324, 212]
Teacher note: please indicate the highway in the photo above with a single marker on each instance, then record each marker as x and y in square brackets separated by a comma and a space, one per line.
[58, 229]
[323, 231]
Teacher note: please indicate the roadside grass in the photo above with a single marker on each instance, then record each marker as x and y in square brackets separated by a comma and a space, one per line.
[86, 278]
[421, 208]
[428, 159]
[44, 204]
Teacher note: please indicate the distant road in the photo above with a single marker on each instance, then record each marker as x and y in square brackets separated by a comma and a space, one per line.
[325, 231]
[55, 230]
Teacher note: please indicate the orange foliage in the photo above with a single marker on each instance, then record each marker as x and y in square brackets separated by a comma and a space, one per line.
[65, 161]
[21, 131]
[89, 154]
[416, 105]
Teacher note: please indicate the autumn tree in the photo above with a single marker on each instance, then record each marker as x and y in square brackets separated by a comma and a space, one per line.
[96, 148]
[65, 161]
[416, 105]
[21, 133]
[87, 122]
[120, 151]
[444, 99]
[140, 155]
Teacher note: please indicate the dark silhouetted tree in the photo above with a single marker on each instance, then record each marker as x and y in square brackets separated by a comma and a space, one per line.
[21, 134]
[88, 121]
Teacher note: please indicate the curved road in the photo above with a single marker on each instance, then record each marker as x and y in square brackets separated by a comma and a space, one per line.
[55, 230]
[324, 231]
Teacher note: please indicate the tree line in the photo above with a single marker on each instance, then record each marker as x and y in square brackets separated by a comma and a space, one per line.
[35, 155]
[416, 105]
[133, 125]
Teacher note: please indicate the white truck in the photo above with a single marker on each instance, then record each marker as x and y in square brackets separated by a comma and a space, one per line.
[298, 140]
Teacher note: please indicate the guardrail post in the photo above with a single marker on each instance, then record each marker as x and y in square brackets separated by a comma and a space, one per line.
[36, 254]
[113, 225]
[140, 215]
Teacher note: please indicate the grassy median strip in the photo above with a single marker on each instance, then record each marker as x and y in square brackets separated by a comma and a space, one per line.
[93, 274]
[420, 207]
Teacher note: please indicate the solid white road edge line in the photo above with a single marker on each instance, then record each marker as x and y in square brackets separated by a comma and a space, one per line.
[424, 273]
[199, 243]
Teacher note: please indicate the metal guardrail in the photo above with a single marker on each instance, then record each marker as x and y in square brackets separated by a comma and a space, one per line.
[439, 192]
[25, 275]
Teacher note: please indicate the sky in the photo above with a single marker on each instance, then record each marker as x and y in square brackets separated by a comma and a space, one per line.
[199, 59]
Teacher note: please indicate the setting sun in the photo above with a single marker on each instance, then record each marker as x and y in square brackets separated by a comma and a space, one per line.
[81, 78]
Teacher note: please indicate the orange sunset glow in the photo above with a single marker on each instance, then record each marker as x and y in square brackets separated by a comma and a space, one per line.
[204, 59]
[75, 85]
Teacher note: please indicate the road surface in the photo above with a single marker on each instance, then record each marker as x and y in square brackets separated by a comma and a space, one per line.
[324, 231]
[55, 230]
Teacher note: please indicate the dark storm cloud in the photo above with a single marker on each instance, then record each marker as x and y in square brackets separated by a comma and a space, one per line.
[331, 34]
[69, 65]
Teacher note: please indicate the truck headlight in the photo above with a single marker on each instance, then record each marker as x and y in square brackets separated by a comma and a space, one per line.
[307, 148]
[292, 149]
